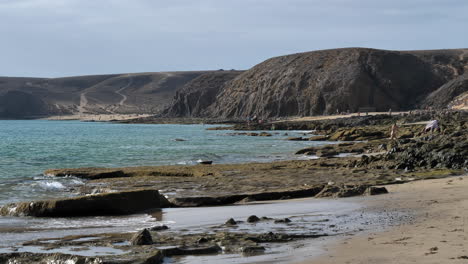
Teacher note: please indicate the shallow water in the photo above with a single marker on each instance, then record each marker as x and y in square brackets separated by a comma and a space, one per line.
[27, 148]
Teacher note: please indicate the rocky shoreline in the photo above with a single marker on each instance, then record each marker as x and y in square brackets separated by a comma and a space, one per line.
[362, 159]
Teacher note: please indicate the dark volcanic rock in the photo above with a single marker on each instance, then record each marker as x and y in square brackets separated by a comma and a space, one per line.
[117, 203]
[253, 219]
[159, 228]
[142, 238]
[231, 221]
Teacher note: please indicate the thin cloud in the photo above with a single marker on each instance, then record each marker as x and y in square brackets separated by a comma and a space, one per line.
[74, 37]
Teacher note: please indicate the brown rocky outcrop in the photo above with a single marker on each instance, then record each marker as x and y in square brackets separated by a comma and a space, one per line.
[195, 97]
[326, 81]
[117, 203]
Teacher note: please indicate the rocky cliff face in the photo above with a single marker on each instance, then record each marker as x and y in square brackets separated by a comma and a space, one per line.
[197, 95]
[446, 95]
[323, 82]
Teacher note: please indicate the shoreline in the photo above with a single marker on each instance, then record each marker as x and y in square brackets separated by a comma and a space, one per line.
[411, 159]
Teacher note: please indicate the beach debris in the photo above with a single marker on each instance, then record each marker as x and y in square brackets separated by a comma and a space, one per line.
[253, 219]
[142, 238]
[231, 221]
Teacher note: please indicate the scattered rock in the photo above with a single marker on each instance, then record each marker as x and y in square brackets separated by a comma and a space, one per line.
[285, 220]
[142, 238]
[231, 221]
[253, 219]
[296, 139]
[159, 228]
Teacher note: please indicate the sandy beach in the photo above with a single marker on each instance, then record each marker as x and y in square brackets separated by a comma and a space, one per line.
[97, 117]
[438, 235]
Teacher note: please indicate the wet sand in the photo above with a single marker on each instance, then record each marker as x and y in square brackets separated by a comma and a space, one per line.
[438, 235]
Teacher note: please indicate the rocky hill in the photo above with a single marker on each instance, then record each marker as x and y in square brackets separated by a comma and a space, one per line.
[197, 95]
[327, 81]
[139, 93]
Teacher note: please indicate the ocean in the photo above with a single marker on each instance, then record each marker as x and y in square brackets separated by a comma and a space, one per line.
[28, 147]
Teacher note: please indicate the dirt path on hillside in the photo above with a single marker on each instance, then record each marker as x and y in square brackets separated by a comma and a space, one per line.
[119, 92]
[83, 103]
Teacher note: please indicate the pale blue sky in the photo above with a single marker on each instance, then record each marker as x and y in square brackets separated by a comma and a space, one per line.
[50, 38]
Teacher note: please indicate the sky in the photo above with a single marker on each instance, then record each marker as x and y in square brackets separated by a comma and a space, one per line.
[56, 38]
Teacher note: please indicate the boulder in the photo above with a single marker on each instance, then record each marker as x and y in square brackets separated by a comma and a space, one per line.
[231, 221]
[296, 139]
[159, 228]
[116, 203]
[142, 238]
[285, 220]
[253, 219]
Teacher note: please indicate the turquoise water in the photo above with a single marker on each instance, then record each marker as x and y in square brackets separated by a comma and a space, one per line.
[27, 148]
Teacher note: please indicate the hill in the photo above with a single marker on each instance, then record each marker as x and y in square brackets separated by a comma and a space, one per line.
[327, 81]
[138, 93]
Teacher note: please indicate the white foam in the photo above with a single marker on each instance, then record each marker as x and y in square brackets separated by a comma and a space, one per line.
[52, 185]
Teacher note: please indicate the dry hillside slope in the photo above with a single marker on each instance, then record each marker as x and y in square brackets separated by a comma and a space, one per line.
[138, 93]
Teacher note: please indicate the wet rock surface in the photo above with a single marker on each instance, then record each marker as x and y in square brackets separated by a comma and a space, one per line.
[142, 238]
[115, 203]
